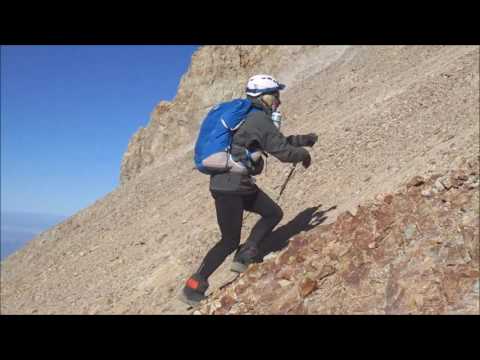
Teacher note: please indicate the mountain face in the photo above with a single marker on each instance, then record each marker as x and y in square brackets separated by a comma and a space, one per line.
[384, 221]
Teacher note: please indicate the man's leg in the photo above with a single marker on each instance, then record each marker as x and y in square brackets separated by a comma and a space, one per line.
[271, 214]
[229, 210]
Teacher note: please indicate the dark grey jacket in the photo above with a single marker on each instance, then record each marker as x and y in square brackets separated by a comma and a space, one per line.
[258, 133]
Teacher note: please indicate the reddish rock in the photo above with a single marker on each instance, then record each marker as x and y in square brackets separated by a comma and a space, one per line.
[298, 309]
[307, 286]
[388, 199]
[286, 273]
[298, 242]
[427, 225]
[384, 217]
[327, 270]
[457, 282]
[355, 273]
[401, 204]
[285, 257]
[267, 297]
[227, 301]
[253, 269]
[378, 253]
[288, 306]
[381, 197]
[240, 288]
[346, 223]
[299, 259]
[363, 237]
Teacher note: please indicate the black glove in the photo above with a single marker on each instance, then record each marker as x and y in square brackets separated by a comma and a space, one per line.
[307, 161]
[310, 139]
[257, 167]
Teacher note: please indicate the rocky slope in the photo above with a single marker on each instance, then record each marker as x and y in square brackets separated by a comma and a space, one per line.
[384, 114]
[414, 251]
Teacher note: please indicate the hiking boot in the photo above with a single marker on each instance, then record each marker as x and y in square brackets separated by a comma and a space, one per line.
[245, 256]
[194, 291]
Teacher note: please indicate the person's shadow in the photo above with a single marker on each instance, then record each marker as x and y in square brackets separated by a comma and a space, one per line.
[304, 221]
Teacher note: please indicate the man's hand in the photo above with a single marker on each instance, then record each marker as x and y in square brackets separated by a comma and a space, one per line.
[311, 139]
[307, 161]
[257, 167]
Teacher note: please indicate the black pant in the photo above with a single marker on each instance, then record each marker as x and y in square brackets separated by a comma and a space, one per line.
[230, 209]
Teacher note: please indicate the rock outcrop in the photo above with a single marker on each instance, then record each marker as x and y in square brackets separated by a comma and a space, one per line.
[411, 252]
[385, 115]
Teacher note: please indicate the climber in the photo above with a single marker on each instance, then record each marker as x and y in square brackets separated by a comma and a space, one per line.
[235, 192]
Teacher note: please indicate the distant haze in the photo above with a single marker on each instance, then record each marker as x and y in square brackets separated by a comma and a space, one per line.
[18, 228]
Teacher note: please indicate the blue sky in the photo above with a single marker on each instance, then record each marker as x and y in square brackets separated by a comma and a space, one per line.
[67, 114]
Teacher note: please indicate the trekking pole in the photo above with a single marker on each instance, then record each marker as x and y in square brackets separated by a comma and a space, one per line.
[283, 187]
[286, 181]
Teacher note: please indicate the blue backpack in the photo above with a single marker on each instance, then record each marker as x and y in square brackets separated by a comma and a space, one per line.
[214, 140]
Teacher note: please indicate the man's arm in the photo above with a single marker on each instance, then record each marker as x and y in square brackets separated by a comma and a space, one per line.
[274, 142]
[302, 140]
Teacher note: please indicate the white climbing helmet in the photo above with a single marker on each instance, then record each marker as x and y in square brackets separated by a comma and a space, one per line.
[262, 84]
